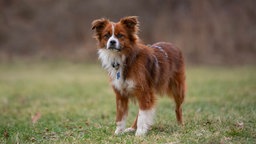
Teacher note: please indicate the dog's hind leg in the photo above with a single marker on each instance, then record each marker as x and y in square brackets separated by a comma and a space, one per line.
[177, 90]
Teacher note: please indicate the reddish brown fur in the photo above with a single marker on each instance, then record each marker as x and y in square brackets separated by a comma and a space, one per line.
[147, 65]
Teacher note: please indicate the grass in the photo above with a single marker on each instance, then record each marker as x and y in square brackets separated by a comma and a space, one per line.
[75, 104]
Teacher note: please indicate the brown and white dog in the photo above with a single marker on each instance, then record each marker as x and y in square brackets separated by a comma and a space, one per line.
[138, 71]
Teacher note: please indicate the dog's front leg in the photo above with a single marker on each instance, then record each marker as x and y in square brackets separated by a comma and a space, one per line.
[146, 113]
[121, 112]
[145, 120]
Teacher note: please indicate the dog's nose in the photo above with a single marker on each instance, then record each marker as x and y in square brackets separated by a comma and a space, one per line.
[112, 42]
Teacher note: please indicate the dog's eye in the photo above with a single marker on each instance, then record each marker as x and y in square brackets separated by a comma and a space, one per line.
[119, 35]
[106, 36]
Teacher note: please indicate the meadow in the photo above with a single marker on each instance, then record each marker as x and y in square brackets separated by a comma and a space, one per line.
[62, 102]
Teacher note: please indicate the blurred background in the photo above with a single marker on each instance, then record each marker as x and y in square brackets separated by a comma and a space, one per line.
[213, 32]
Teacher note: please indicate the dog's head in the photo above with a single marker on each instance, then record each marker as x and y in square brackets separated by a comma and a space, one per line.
[116, 36]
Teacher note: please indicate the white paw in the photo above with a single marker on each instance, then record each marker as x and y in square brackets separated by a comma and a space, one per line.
[141, 132]
[145, 120]
[128, 130]
[120, 127]
[119, 131]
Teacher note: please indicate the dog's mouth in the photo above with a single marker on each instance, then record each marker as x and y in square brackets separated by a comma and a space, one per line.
[114, 49]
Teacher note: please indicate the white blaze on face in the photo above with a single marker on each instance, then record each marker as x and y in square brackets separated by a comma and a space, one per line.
[113, 42]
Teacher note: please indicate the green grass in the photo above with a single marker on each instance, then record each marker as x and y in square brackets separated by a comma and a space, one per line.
[78, 106]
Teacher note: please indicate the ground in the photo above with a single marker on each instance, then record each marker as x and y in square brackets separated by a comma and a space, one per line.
[61, 102]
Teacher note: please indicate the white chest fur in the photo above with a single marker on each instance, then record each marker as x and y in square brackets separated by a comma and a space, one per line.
[107, 57]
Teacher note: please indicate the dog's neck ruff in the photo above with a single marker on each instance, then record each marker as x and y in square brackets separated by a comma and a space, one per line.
[116, 65]
[112, 61]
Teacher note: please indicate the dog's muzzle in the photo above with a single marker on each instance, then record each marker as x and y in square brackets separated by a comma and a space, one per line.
[113, 46]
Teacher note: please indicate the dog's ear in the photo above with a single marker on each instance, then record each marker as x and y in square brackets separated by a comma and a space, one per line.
[131, 22]
[99, 25]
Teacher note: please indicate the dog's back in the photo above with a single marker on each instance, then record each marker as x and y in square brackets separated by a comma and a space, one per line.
[172, 73]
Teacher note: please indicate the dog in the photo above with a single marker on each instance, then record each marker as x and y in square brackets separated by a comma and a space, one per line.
[138, 71]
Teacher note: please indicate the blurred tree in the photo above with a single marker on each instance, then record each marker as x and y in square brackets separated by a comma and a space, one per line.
[208, 32]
